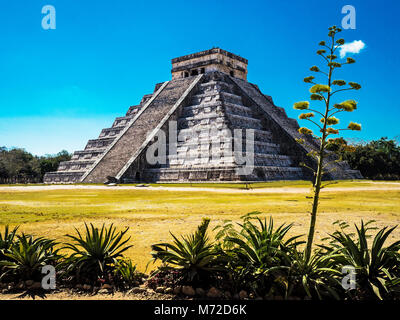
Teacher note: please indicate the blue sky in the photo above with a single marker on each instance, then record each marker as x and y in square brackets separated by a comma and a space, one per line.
[59, 88]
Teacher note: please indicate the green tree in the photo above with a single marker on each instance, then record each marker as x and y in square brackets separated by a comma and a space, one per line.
[324, 93]
[377, 159]
[20, 166]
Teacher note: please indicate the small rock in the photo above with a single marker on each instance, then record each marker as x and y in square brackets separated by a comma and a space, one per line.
[168, 290]
[188, 290]
[200, 292]
[228, 295]
[106, 286]
[160, 289]
[103, 291]
[177, 290]
[21, 285]
[28, 283]
[214, 293]
[251, 296]
[243, 294]
[137, 290]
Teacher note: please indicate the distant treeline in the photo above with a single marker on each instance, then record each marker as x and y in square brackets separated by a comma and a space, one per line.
[377, 160]
[20, 166]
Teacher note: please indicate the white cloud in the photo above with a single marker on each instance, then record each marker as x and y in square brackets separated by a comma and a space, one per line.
[353, 47]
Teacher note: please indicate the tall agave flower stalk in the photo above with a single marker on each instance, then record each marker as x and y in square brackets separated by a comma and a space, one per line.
[325, 93]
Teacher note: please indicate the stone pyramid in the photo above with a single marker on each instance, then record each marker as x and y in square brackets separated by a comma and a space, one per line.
[207, 100]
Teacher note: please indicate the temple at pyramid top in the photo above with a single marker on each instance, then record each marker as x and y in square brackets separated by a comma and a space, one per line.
[214, 59]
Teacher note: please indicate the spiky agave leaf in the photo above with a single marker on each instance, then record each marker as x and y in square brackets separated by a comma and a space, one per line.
[96, 251]
[377, 266]
[28, 255]
[193, 254]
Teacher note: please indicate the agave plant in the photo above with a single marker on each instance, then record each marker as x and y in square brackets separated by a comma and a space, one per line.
[194, 255]
[27, 256]
[377, 267]
[257, 253]
[126, 270]
[261, 245]
[315, 277]
[96, 252]
[7, 241]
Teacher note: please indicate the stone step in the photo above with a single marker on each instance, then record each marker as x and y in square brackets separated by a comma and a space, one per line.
[133, 110]
[222, 173]
[221, 130]
[75, 165]
[203, 108]
[231, 98]
[238, 109]
[242, 122]
[122, 121]
[216, 107]
[62, 177]
[193, 157]
[100, 143]
[224, 142]
[111, 132]
[87, 154]
[214, 85]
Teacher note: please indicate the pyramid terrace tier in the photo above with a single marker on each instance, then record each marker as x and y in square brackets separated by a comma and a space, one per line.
[209, 131]
[75, 165]
[205, 174]
[62, 177]
[216, 107]
[237, 121]
[226, 143]
[87, 154]
[206, 157]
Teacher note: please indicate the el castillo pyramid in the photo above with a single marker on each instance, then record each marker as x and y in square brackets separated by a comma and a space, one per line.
[208, 98]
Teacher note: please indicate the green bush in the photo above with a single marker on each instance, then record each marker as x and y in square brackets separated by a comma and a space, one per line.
[95, 254]
[257, 257]
[26, 257]
[377, 266]
[7, 239]
[194, 256]
[316, 278]
[126, 271]
[257, 253]
[378, 159]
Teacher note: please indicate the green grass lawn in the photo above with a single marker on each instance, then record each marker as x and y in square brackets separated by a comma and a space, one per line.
[151, 214]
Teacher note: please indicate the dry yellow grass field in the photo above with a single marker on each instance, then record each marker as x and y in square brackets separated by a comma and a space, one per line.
[151, 213]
